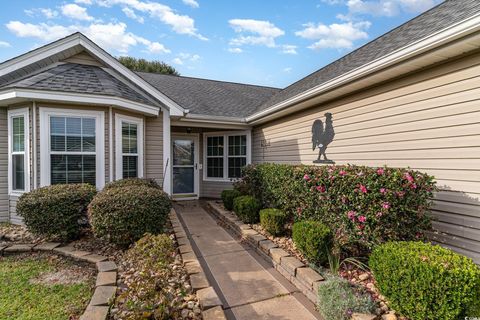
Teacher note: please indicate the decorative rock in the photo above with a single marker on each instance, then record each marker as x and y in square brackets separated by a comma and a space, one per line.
[183, 241]
[255, 239]
[193, 267]
[215, 313]
[64, 250]
[247, 232]
[2, 248]
[94, 258]
[106, 278]
[189, 257]
[208, 298]
[185, 249]
[266, 245]
[290, 264]
[389, 316]
[102, 295]
[95, 313]
[308, 276]
[363, 316]
[363, 276]
[78, 253]
[47, 246]
[198, 281]
[19, 248]
[277, 254]
[105, 266]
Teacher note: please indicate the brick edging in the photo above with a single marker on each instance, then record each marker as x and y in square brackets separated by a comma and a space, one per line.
[212, 308]
[106, 280]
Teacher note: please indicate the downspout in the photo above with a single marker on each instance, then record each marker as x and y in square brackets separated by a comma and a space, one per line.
[110, 144]
[167, 176]
[34, 144]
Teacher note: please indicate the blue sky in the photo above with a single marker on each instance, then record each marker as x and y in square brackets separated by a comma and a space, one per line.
[268, 42]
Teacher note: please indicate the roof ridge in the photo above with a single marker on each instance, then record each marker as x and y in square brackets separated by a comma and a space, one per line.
[212, 80]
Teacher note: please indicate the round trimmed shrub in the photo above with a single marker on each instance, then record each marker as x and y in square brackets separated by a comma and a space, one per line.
[423, 281]
[247, 208]
[132, 182]
[228, 196]
[273, 220]
[313, 239]
[123, 215]
[55, 211]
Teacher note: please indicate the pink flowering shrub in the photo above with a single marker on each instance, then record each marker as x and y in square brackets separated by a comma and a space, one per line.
[363, 206]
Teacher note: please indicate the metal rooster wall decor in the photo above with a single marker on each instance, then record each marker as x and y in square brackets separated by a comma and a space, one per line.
[322, 136]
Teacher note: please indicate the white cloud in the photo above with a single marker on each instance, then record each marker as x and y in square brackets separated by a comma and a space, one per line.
[76, 12]
[4, 44]
[264, 32]
[287, 70]
[289, 49]
[181, 24]
[46, 12]
[336, 35]
[182, 58]
[132, 15]
[111, 36]
[191, 3]
[86, 2]
[177, 61]
[235, 50]
[388, 8]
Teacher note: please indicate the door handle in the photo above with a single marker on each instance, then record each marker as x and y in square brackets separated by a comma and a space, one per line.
[196, 166]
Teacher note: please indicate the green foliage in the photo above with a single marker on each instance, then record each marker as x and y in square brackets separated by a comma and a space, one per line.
[132, 182]
[143, 65]
[228, 196]
[423, 281]
[338, 299]
[123, 215]
[247, 208]
[56, 211]
[273, 220]
[23, 299]
[313, 239]
[363, 206]
[152, 289]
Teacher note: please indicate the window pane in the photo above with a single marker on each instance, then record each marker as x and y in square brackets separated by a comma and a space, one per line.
[72, 134]
[183, 180]
[88, 127]
[215, 167]
[18, 130]
[72, 169]
[237, 145]
[215, 146]
[57, 125]
[129, 138]
[183, 152]
[235, 166]
[18, 179]
[130, 167]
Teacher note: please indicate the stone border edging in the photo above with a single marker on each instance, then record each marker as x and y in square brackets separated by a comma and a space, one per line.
[106, 281]
[212, 308]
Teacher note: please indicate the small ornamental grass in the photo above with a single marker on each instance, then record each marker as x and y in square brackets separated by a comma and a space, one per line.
[123, 215]
[247, 208]
[338, 299]
[426, 282]
[273, 221]
[153, 286]
[313, 239]
[228, 196]
[55, 211]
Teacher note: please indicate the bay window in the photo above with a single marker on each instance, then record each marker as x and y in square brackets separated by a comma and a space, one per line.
[129, 147]
[225, 155]
[18, 151]
[71, 147]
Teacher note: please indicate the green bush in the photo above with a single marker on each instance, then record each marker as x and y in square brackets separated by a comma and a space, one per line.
[273, 220]
[132, 182]
[55, 211]
[338, 299]
[363, 206]
[123, 215]
[247, 208]
[313, 239]
[228, 196]
[153, 289]
[423, 281]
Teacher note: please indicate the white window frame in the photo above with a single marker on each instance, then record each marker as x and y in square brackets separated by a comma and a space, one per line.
[45, 115]
[225, 136]
[23, 112]
[119, 119]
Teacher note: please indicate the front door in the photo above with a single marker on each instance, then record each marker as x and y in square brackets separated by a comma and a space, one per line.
[185, 168]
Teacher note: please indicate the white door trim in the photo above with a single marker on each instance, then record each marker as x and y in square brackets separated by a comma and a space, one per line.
[196, 184]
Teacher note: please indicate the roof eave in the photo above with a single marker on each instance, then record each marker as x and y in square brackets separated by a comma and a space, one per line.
[462, 29]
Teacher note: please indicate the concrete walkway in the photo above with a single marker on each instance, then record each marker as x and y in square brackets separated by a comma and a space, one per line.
[248, 286]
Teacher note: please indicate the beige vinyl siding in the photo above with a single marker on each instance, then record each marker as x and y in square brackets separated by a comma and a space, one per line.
[83, 58]
[4, 215]
[429, 121]
[153, 151]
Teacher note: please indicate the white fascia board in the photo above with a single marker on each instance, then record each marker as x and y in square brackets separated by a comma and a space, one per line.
[175, 109]
[461, 29]
[79, 98]
[214, 119]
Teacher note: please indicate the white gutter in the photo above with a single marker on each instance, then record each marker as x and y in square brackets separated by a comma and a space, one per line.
[19, 93]
[439, 38]
[213, 119]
